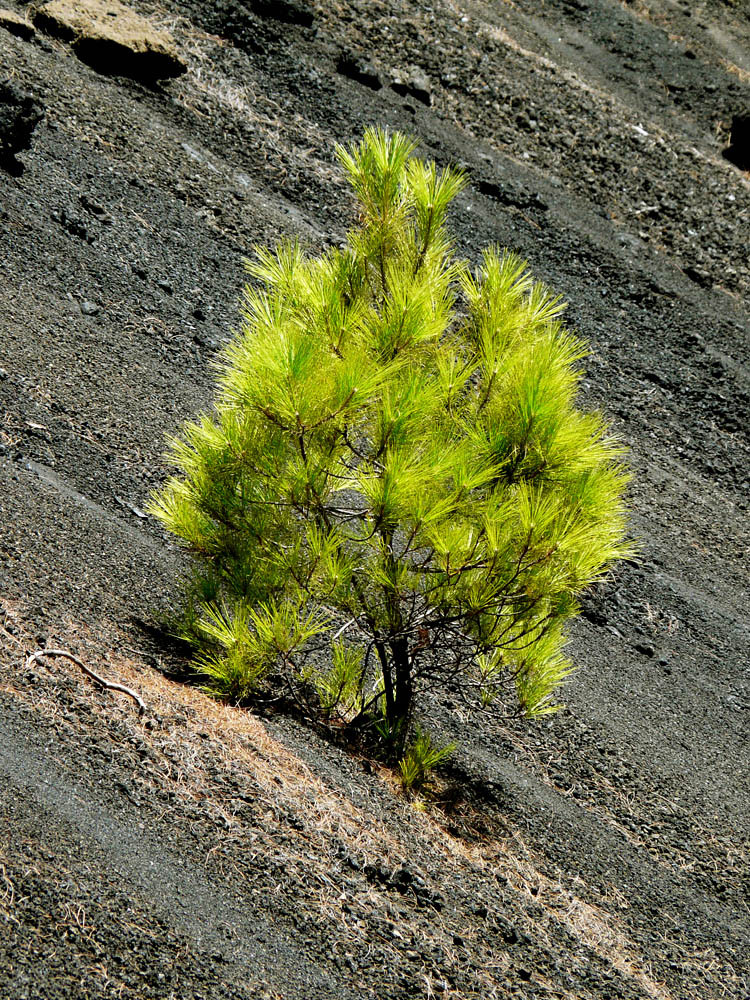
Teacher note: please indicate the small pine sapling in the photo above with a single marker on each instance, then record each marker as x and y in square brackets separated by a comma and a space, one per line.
[395, 489]
[420, 759]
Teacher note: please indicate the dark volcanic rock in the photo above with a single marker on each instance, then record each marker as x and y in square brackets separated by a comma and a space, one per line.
[356, 68]
[414, 83]
[20, 114]
[738, 151]
[699, 276]
[290, 11]
[507, 194]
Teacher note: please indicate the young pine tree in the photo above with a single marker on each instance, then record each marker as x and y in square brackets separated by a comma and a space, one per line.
[395, 489]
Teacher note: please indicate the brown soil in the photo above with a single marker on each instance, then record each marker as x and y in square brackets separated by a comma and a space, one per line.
[200, 851]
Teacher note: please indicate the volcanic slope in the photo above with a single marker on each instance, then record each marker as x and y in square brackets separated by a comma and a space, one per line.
[200, 851]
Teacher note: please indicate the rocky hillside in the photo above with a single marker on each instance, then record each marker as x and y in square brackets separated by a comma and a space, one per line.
[200, 851]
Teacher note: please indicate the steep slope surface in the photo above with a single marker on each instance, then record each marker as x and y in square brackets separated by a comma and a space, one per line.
[201, 852]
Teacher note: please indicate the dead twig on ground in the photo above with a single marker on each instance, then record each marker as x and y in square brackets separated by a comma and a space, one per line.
[109, 685]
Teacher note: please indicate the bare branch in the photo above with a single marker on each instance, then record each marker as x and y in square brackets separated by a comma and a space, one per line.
[101, 681]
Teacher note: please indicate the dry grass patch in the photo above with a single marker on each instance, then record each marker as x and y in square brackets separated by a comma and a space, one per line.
[195, 751]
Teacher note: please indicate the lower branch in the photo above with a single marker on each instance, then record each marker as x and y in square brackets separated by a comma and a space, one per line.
[109, 685]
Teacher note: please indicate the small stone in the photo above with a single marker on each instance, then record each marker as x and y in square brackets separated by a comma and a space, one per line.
[415, 83]
[90, 205]
[165, 286]
[699, 276]
[403, 876]
[72, 224]
[89, 308]
[358, 69]
[645, 649]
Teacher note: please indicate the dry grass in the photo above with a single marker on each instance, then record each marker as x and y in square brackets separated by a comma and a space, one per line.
[7, 895]
[198, 740]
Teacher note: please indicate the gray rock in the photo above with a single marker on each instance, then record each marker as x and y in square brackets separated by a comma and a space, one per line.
[20, 114]
[414, 83]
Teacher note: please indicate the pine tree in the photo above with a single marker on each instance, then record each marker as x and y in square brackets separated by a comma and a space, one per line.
[395, 489]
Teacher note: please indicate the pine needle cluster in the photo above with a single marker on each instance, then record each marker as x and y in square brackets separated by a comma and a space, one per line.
[395, 489]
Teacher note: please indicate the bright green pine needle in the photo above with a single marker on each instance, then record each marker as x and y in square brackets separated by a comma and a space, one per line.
[396, 482]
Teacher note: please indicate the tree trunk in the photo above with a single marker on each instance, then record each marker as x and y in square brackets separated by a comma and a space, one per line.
[402, 685]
